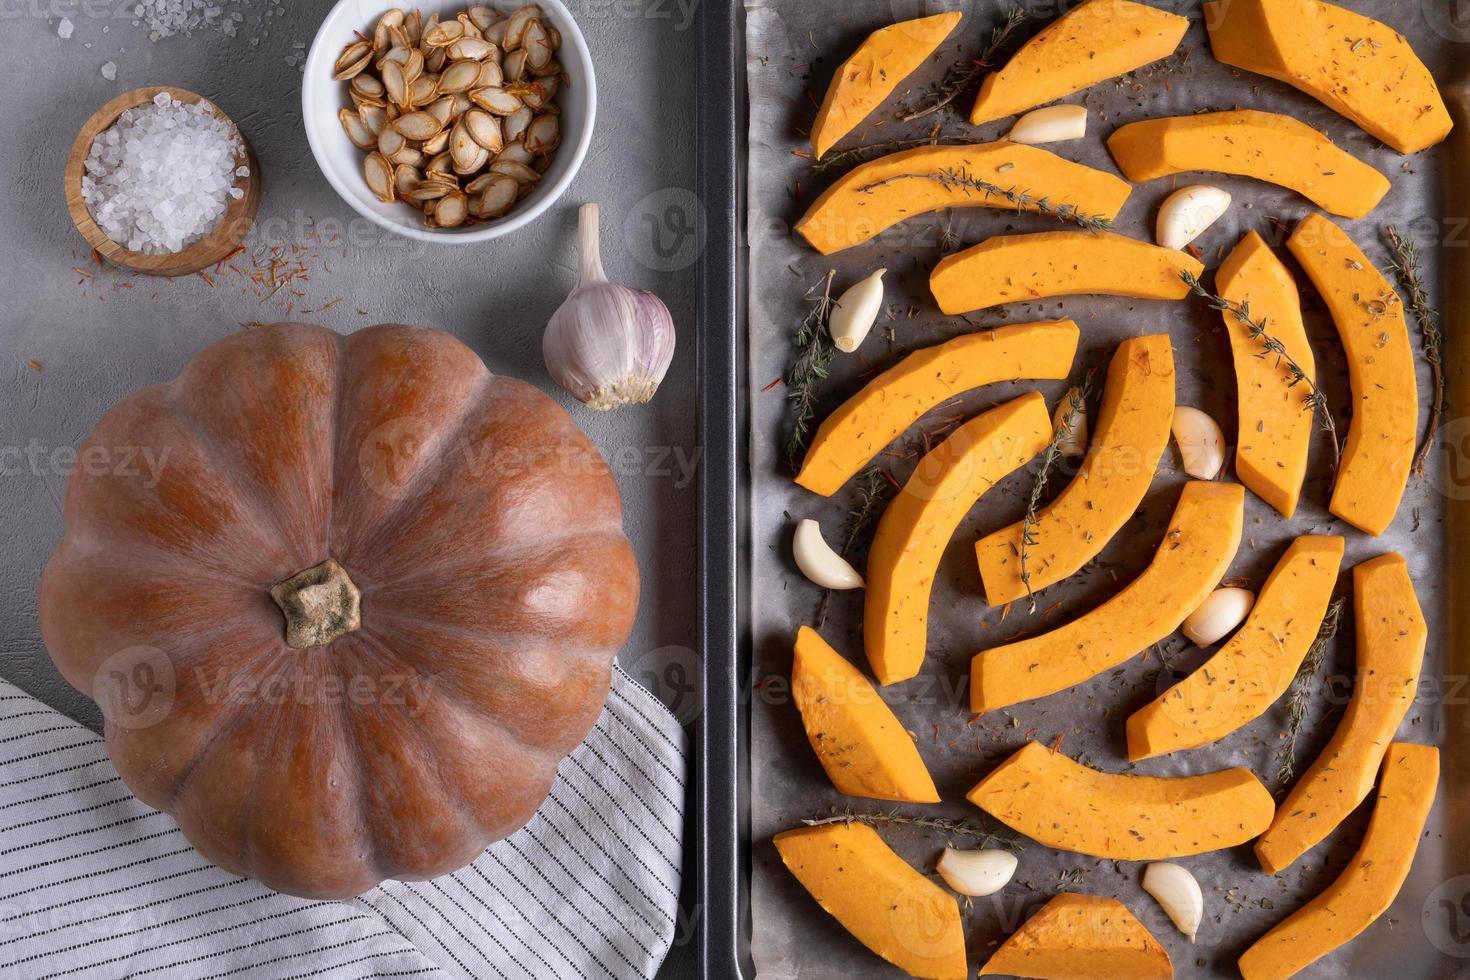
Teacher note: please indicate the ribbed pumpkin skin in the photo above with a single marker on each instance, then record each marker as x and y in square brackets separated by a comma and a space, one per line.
[483, 530]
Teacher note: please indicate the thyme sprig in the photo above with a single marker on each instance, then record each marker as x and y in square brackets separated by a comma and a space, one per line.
[1300, 697]
[839, 159]
[873, 490]
[1406, 265]
[953, 828]
[962, 179]
[1315, 401]
[963, 76]
[1076, 405]
[813, 357]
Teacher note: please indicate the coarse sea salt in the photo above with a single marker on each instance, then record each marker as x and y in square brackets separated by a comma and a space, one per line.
[161, 177]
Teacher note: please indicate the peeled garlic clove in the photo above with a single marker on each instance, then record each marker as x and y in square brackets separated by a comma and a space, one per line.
[855, 312]
[1050, 125]
[1187, 212]
[608, 345]
[1218, 615]
[1178, 894]
[1201, 443]
[976, 873]
[819, 562]
[1073, 410]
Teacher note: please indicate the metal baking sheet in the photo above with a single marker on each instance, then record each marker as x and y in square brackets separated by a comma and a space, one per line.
[760, 777]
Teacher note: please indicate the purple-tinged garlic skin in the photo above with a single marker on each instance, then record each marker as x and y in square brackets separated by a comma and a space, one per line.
[608, 345]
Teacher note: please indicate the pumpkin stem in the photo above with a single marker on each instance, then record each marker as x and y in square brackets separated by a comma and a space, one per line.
[320, 605]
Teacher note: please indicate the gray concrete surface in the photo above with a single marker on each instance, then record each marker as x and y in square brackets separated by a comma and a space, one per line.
[72, 344]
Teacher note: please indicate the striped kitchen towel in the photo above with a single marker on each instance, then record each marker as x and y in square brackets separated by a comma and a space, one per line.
[94, 883]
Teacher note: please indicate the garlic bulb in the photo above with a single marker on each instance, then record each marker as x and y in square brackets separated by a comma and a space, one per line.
[1073, 442]
[1218, 615]
[1188, 212]
[1050, 125]
[855, 312]
[609, 345]
[976, 873]
[819, 562]
[1201, 443]
[1178, 893]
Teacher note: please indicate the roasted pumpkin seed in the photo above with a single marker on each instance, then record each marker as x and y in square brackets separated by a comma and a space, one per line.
[484, 16]
[379, 176]
[459, 76]
[443, 35]
[519, 171]
[517, 123]
[452, 210]
[405, 179]
[544, 135]
[517, 153]
[484, 129]
[367, 86]
[514, 65]
[362, 137]
[498, 197]
[497, 100]
[472, 48]
[423, 90]
[395, 84]
[420, 125]
[390, 141]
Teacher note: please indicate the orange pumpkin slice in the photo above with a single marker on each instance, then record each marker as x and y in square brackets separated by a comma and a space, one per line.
[877, 195]
[1081, 936]
[864, 748]
[1391, 638]
[1379, 453]
[1372, 879]
[1255, 668]
[887, 905]
[1265, 145]
[1276, 424]
[1131, 433]
[863, 81]
[1352, 64]
[1196, 552]
[865, 423]
[1063, 804]
[1018, 268]
[1094, 41]
[919, 522]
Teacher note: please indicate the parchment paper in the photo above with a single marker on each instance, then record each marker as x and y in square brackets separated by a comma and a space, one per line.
[793, 48]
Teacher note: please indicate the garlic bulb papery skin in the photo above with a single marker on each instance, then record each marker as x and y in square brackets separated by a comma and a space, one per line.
[1053, 124]
[1188, 213]
[1201, 442]
[818, 562]
[1178, 894]
[976, 873]
[1218, 615]
[855, 312]
[609, 345]
[1073, 442]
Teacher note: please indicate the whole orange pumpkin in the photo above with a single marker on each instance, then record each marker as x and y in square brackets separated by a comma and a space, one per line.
[345, 602]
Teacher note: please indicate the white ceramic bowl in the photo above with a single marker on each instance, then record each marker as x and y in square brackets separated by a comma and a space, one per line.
[322, 98]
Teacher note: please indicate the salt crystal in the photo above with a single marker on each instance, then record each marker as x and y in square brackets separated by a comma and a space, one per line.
[166, 18]
[64, 29]
[109, 71]
[162, 176]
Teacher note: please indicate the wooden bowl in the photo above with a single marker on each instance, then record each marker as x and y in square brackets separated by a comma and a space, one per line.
[219, 244]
